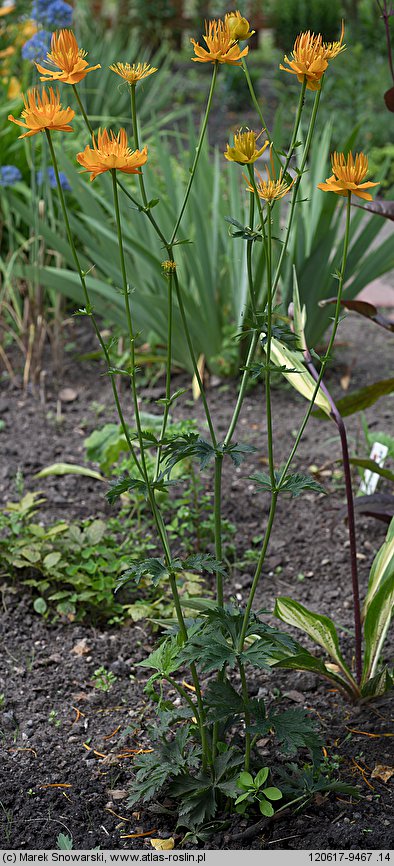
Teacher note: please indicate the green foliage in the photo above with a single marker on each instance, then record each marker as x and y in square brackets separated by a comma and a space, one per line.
[378, 609]
[253, 791]
[294, 484]
[73, 570]
[294, 16]
[103, 680]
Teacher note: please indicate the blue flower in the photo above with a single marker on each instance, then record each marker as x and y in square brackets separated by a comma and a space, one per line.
[51, 177]
[9, 174]
[52, 13]
[37, 47]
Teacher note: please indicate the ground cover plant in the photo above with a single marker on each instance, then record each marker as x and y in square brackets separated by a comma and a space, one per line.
[212, 765]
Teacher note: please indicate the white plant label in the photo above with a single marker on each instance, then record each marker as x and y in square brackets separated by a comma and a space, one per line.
[370, 480]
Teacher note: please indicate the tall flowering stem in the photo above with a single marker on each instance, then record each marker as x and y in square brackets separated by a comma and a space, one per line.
[88, 303]
[290, 216]
[274, 494]
[197, 155]
[136, 140]
[156, 515]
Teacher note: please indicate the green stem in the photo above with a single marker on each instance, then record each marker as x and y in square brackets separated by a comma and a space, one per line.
[168, 374]
[293, 203]
[259, 569]
[193, 359]
[120, 184]
[296, 125]
[156, 514]
[183, 693]
[258, 109]
[249, 251]
[242, 390]
[136, 141]
[268, 253]
[326, 358]
[197, 155]
[88, 304]
[245, 696]
[83, 112]
[218, 525]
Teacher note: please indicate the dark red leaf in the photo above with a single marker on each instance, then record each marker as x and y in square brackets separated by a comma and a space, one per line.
[381, 208]
[389, 99]
[369, 311]
[378, 505]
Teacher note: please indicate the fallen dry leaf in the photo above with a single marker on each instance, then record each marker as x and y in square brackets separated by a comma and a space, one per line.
[163, 844]
[382, 772]
[117, 793]
[81, 648]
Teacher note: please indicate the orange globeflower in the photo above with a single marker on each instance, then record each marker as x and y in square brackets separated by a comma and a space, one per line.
[332, 49]
[69, 59]
[270, 189]
[308, 60]
[111, 151]
[44, 111]
[222, 47]
[348, 175]
[245, 151]
[238, 26]
[133, 73]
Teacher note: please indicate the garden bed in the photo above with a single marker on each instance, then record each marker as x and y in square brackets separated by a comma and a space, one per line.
[67, 746]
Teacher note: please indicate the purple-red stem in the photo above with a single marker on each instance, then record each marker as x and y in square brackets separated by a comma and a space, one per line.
[386, 15]
[350, 512]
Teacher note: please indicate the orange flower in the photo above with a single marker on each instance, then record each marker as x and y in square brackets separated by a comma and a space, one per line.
[68, 58]
[348, 175]
[308, 60]
[133, 73]
[110, 152]
[332, 49]
[270, 190]
[44, 111]
[222, 47]
[5, 10]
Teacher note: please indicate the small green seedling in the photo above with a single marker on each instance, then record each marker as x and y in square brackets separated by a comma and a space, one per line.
[103, 679]
[253, 791]
[53, 719]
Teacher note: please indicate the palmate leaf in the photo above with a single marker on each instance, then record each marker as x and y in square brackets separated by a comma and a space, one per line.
[186, 446]
[294, 729]
[238, 452]
[158, 767]
[210, 651]
[294, 484]
[204, 562]
[222, 701]
[153, 567]
[165, 658]
[122, 485]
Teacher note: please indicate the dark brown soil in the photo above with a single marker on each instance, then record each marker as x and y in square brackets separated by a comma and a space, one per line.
[72, 775]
